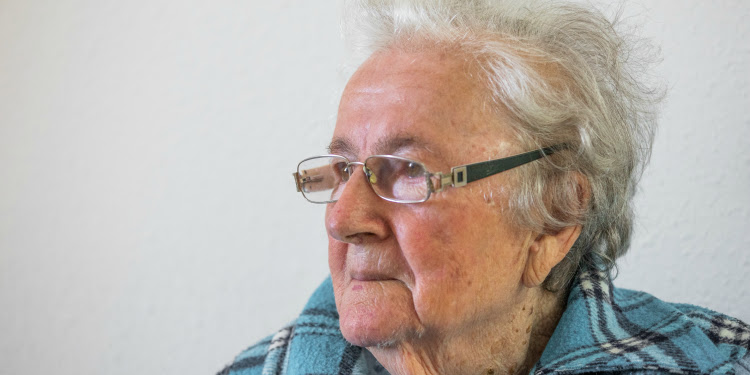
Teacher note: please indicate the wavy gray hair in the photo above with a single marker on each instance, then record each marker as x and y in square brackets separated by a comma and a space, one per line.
[558, 73]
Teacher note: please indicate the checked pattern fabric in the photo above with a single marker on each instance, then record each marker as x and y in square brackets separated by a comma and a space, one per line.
[613, 330]
[603, 330]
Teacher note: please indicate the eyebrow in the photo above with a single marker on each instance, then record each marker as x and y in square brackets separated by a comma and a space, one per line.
[392, 145]
[388, 145]
[340, 146]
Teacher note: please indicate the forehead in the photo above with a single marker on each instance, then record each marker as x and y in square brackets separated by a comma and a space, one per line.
[423, 100]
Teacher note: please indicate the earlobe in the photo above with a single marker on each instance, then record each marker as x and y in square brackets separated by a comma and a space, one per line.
[545, 252]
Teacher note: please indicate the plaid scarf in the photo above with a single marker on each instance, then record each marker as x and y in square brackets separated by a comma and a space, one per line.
[603, 330]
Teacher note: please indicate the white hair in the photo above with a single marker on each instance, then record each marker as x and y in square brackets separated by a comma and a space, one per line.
[558, 73]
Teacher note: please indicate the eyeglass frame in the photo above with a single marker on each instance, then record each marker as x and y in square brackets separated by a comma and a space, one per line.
[459, 176]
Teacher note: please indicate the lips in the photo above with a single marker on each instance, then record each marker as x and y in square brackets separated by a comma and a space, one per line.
[363, 275]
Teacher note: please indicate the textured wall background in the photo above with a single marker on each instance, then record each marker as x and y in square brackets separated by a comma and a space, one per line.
[148, 222]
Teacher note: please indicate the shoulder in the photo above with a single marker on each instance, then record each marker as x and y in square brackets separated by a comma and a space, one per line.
[267, 353]
[687, 325]
[623, 331]
[730, 336]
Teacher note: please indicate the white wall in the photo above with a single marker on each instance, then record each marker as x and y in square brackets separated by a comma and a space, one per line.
[148, 222]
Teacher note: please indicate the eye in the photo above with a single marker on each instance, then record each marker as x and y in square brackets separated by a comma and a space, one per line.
[414, 170]
[341, 171]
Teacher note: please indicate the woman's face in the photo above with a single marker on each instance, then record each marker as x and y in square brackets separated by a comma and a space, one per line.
[426, 270]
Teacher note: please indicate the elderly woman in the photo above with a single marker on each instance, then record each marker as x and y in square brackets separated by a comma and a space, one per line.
[478, 191]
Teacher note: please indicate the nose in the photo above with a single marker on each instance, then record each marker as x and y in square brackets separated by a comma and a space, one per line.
[359, 215]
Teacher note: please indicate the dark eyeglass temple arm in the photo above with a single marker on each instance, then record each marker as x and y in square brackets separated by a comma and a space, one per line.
[478, 171]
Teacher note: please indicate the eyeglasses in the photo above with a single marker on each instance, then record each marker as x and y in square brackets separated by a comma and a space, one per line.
[321, 179]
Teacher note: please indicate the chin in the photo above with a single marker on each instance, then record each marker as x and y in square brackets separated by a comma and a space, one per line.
[375, 333]
[367, 338]
[376, 319]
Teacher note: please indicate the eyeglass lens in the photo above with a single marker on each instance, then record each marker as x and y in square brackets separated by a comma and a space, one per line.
[398, 179]
[322, 178]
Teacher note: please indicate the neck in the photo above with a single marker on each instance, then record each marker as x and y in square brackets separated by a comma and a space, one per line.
[511, 345]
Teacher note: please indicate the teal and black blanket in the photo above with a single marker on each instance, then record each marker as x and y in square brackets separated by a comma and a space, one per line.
[603, 330]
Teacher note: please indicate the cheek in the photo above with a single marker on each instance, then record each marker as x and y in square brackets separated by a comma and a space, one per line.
[462, 269]
[439, 246]
[337, 262]
[441, 255]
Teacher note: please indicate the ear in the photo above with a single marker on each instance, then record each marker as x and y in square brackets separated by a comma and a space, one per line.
[545, 252]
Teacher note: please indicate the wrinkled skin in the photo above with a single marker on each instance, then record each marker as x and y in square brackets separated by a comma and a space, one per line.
[449, 285]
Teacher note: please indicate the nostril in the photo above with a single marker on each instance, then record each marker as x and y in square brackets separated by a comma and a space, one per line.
[354, 225]
[355, 239]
